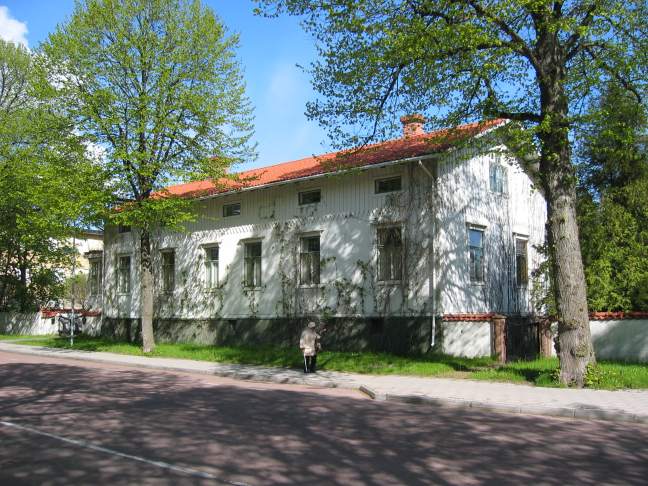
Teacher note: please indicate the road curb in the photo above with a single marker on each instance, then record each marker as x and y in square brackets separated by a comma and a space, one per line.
[372, 393]
[246, 375]
[574, 413]
[562, 412]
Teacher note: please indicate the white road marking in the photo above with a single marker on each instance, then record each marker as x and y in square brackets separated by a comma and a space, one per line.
[105, 450]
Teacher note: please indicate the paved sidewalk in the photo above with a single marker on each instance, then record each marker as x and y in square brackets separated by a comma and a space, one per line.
[628, 405]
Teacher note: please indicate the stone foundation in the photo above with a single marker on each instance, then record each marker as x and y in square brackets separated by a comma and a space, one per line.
[400, 335]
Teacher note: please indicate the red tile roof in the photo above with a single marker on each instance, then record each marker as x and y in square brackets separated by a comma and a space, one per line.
[392, 150]
[617, 316]
[475, 316]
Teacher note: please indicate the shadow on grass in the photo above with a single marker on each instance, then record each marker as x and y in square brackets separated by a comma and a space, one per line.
[541, 372]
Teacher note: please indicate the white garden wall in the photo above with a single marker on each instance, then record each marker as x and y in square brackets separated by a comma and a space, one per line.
[26, 323]
[619, 339]
[468, 339]
[625, 339]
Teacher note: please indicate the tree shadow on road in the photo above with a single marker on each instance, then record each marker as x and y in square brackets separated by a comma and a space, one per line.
[265, 434]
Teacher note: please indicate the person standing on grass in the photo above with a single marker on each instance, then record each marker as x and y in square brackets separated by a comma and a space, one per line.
[309, 343]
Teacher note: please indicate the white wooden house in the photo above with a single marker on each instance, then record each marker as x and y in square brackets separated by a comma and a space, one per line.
[377, 243]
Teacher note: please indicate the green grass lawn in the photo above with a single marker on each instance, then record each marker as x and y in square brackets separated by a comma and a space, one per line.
[540, 372]
[9, 337]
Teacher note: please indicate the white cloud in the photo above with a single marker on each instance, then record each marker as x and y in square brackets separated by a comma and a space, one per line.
[12, 30]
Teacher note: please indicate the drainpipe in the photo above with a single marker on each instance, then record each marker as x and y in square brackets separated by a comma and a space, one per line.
[433, 258]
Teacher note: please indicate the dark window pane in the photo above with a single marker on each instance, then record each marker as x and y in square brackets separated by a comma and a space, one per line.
[390, 253]
[253, 264]
[309, 260]
[168, 271]
[497, 179]
[388, 185]
[123, 275]
[310, 197]
[476, 251]
[253, 249]
[95, 277]
[521, 262]
[231, 210]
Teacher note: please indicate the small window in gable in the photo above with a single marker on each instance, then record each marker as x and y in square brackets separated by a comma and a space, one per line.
[310, 197]
[390, 184]
[233, 209]
[498, 178]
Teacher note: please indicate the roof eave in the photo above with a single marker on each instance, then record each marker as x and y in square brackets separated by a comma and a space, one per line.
[324, 174]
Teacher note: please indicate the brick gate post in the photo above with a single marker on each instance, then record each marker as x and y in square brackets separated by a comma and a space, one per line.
[545, 337]
[499, 337]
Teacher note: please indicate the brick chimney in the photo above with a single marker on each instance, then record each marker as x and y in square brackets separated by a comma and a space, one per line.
[413, 125]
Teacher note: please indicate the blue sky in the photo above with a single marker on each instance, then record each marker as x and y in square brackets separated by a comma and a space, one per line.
[269, 52]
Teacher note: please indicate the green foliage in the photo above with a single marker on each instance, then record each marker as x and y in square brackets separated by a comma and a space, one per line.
[543, 299]
[594, 376]
[49, 185]
[156, 84]
[456, 60]
[613, 207]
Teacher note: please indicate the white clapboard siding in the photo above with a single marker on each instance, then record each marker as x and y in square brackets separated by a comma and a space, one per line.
[346, 220]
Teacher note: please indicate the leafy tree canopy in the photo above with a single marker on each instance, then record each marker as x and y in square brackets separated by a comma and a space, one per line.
[536, 62]
[456, 60]
[50, 188]
[156, 84]
[613, 202]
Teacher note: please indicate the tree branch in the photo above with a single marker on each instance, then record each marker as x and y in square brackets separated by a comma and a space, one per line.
[572, 45]
[627, 85]
[521, 46]
[519, 116]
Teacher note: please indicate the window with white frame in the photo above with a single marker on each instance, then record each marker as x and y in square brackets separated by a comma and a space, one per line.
[498, 178]
[233, 209]
[211, 266]
[476, 252]
[389, 184]
[168, 270]
[521, 262]
[252, 262]
[124, 274]
[94, 277]
[309, 197]
[390, 253]
[309, 260]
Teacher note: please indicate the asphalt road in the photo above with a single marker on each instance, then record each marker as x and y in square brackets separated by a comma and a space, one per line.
[73, 422]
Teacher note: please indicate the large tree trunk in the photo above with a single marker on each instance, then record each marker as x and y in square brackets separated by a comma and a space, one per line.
[146, 292]
[574, 345]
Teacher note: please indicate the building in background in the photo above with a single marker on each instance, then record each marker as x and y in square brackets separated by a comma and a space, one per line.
[377, 243]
